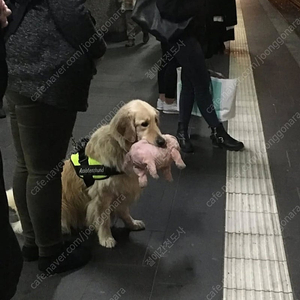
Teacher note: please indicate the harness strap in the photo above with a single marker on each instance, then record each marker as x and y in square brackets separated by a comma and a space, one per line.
[84, 161]
[87, 168]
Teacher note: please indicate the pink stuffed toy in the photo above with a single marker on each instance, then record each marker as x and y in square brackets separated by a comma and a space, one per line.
[4, 13]
[145, 157]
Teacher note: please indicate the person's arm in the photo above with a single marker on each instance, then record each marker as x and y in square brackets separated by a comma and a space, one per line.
[75, 23]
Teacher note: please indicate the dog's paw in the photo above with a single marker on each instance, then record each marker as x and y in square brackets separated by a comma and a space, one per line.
[108, 242]
[137, 225]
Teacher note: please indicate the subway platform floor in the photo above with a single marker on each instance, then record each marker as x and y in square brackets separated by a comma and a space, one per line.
[228, 227]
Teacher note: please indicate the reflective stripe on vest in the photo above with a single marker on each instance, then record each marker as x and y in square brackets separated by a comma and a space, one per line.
[93, 168]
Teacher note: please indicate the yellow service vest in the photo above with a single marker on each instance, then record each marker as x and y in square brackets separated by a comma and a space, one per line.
[88, 168]
[92, 168]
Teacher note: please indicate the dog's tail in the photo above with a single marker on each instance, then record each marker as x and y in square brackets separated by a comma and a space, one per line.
[17, 227]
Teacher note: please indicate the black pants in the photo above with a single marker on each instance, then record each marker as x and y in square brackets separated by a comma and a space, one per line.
[41, 135]
[167, 74]
[196, 84]
[3, 80]
[11, 261]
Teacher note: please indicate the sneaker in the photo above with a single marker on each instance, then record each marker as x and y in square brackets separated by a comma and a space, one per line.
[170, 108]
[69, 259]
[159, 104]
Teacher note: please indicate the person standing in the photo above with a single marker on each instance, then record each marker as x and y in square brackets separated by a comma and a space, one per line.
[196, 84]
[50, 60]
[127, 6]
[11, 261]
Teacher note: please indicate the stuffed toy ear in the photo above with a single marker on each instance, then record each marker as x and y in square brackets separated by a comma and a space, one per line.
[126, 127]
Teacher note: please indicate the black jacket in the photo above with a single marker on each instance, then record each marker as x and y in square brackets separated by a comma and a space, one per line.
[224, 8]
[2, 46]
[181, 10]
[47, 55]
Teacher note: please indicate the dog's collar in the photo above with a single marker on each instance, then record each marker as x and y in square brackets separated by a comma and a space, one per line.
[88, 168]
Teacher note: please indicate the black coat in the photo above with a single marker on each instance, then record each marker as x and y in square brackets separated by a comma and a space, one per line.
[181, 10]
[224, 8]
[211, 35]
[2, 47]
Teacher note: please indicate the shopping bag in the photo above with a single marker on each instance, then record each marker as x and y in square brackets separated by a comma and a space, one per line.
[224, 97]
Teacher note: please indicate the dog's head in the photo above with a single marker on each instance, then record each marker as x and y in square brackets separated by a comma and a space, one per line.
[135, 121]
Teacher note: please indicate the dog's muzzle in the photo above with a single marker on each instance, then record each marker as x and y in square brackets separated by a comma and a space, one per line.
[160, 141]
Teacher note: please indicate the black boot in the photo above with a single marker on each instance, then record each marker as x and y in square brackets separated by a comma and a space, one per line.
[70, 258]
[221, 139]
[30, 253]
[184, 139]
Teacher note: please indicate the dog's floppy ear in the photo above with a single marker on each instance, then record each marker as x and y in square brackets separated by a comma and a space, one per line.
[126, 127]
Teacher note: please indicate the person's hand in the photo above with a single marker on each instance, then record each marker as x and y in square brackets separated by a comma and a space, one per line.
[4, 13]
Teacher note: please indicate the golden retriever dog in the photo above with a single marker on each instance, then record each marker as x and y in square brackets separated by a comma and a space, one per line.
[94, 206]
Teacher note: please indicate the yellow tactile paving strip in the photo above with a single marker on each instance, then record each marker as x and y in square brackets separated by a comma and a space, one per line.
[255, 266]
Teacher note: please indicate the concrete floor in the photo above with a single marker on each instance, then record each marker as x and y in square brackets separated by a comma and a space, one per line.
[192, 268]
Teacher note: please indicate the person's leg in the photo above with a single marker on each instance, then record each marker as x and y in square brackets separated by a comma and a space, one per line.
[192, 60]
[186, 100]
[167, 81]
[186, 104]
[161, 78]
[44, 134]
[161, 81]
[19, 185]
[171, 79]
[130, 28]
[3, 85]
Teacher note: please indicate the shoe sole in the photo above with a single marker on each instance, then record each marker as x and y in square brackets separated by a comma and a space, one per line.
[30, 259]
[228, 149]
[171, 112]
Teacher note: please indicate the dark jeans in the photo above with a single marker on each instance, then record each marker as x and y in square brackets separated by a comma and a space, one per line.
[3, 80]
[11, 261]
[41, 135]
[195, 83]
[167, 74]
